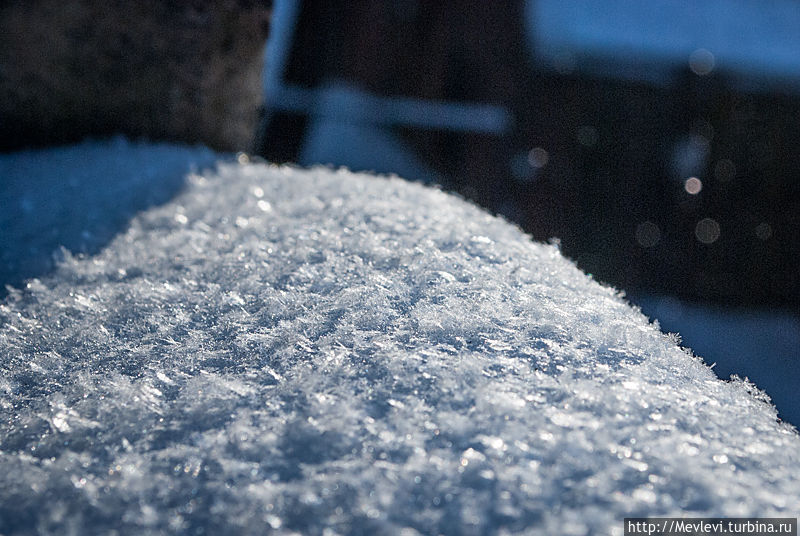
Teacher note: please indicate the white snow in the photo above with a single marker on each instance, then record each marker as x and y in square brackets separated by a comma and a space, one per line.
[316, 351]
[761, 344]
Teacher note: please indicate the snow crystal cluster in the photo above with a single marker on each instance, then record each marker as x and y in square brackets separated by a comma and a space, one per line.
[322, 352]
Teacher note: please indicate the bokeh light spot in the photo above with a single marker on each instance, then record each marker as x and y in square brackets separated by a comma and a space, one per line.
[538, 157]
[648, 234]
[725, 170]
[693, 185]
[707, 231]
[763, 231]
[701, 62]
[587, 136]
[703, 128]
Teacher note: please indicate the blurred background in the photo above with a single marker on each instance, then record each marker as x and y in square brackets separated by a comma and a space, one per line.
[657, 141]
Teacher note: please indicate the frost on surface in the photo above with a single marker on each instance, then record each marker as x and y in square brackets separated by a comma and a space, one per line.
[289, 350]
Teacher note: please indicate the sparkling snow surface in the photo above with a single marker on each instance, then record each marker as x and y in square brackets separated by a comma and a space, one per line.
[310, 350]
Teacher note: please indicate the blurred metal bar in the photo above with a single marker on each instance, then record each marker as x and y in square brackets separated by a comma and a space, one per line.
[351, 105]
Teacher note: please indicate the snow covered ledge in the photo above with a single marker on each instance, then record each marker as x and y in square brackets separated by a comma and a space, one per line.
[307, 349]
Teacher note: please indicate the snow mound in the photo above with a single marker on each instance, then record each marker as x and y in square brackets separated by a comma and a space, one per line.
[320, 351]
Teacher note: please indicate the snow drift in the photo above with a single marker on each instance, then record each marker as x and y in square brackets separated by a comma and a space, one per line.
[302, 350]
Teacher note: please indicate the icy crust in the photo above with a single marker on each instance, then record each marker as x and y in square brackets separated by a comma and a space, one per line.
[310, 351]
